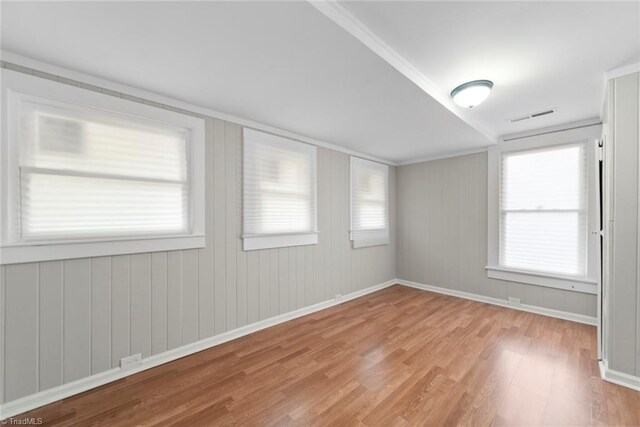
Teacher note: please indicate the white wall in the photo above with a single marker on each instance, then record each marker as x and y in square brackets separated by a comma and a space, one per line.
[442, 235]
[67, 320]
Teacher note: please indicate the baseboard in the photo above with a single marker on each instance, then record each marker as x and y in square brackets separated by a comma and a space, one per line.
[45, 397]
[610, 375]
[496, 301]
[620, 378]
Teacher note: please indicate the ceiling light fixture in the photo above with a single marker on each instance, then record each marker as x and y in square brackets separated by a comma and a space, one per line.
[470, 94]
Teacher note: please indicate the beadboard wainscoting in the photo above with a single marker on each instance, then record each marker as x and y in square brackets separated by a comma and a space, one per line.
[68, 320]
[442, 235]
[621, 294]
[62, 391]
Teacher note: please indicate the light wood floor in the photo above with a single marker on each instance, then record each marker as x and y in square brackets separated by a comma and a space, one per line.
[398, 356]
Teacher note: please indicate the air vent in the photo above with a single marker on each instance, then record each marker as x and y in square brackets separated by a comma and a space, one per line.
[532, 115]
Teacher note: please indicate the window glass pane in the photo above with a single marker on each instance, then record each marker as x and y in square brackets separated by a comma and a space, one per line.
[100, 143]
[543, 210]
[369, 196]
[57, 206]
[87, 173]
[544, 179]
[543, 241]
[279, 185]
[369, 203]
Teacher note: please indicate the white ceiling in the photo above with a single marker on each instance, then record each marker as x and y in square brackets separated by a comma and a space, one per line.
[287, 65]
[281, 64]
[540, 55]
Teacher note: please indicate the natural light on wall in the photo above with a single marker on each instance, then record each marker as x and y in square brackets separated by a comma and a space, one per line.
[543, 215]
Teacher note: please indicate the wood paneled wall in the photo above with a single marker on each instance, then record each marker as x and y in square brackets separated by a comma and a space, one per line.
[622, 273]
[442, 234]
[66, 320]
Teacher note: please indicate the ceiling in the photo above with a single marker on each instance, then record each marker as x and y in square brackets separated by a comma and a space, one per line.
[282, 64]
[540, 55]
[286, 65]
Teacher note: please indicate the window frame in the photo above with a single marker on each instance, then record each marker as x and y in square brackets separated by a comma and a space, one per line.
[384, 237]
[252, 242]
[585, 284]
[15, 86]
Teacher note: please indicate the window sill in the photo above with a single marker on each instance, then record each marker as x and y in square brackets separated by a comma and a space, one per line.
[36, 252]
[369, 242]
[252, 243]
[360, 245]
[543, 279]
[368, 238]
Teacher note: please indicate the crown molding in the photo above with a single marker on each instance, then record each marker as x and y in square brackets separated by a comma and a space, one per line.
[444, 156]
[622, 71]
[594, 121]
[30, 64]
[339, 15]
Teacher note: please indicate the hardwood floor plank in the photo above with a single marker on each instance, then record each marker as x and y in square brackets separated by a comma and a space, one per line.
[399, 356]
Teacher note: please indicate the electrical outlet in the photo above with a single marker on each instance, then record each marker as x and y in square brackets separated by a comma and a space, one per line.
[131, 361]
[514, 301]
[338, 296]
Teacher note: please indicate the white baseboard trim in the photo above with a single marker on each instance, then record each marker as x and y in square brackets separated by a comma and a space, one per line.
[45, 397]
[610, 375]
[496, 301]
[617, 377]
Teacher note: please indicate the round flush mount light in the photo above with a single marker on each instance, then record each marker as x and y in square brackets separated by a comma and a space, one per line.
[470, 94]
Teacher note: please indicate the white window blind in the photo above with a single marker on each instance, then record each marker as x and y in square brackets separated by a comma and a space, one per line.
[279, 191]
[543, 212]
[88, 173]
[369, 203]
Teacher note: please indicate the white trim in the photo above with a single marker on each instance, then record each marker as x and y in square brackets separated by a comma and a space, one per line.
[370, 244]
[638, 250]
[23, 61]
[36, 400]
[617, 377]
[48, 252]
[3, 333]
[338, 14]
[368, 238]
[543, 279]
[614, 74]
[17, 85]
[252, 139]
[251, 243]
[551, 136]
[45, 397]
[565, 315]
[622, 71]
[594, 121]
[589, 135]
[444, 156]
[506, 139]
[375, 238]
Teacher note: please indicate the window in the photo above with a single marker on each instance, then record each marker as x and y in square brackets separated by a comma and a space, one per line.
[369, 203]
[279, 192]
[87, 168]
[543, 217]
[541, 211]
